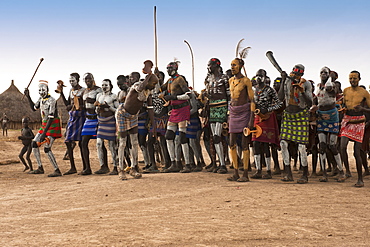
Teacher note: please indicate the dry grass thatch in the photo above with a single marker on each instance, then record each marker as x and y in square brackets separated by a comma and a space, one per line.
[15, 108]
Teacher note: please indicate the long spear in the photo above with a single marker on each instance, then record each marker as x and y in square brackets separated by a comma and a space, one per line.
[41, 59]
[192, 60]
[155, 38]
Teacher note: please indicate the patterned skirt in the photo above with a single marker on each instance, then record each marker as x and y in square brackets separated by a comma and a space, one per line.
[355, 132]
[125, 121]
[107, 128]
[55, 129]
[193, 127]
[142, 123]
[74, 126]
[90, 126]
[270, 130]
[218, 111]
[239, 117]
[295, 127]
[160, 124]
[328, 121]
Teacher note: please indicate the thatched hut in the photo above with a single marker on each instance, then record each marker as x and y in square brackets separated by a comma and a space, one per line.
[62, 111]
[15, 109]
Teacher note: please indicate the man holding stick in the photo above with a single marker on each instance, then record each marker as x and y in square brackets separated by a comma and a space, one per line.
[50, 128]
[297, 93]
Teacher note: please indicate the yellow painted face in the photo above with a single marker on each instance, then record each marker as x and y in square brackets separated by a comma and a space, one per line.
[235, 67]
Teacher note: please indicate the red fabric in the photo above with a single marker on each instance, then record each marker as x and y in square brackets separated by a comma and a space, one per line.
[355, 132]
[181, 114]
[54, 130]
[270, 130]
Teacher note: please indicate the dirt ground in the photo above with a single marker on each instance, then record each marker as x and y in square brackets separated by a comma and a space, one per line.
[196, 209]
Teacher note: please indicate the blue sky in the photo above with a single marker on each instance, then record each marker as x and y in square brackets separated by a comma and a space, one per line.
[109, 38]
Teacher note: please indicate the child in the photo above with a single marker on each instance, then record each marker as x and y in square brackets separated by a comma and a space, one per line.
[26, 137]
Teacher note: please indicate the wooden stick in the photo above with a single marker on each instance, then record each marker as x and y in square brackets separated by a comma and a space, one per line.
[155, 38]
[41, 59]
[192, 60]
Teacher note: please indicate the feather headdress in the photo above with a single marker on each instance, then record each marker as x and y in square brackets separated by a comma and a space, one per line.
[176, 61]
[242, 52]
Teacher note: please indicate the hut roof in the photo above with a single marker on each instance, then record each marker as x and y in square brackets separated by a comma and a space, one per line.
[14, 107]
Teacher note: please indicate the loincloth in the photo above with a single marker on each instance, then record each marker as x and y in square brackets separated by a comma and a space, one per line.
[90, 126]
[193, 127]
[295, 127]
[180, 114]
[218, 111]
[107, 128]
[270, 130]
[239, 117]
[55, 130]
[160, 124]
[328, 121]
[142, 123]
[125, 121]
[354, 132]
[74, 126]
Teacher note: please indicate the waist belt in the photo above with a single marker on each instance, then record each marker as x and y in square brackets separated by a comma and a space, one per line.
[218, 104]
[91, 116]
[180, 105]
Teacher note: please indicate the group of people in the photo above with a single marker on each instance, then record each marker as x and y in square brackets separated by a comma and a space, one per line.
[234, 114]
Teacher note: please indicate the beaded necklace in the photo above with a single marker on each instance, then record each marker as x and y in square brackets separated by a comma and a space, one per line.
[170, 81]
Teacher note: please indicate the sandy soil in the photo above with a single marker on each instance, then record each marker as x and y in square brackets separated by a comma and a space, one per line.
[196, 209]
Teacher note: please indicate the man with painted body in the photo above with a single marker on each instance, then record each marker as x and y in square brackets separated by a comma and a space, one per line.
[123, 82]
[89, 130]
[77, 117]
[266, 101]
[193, 133]
[353, 122]
[218, 93]
[328, 122]
[160, 122]
[297, 93]
[127, 120]
[178, 94]
[106, 106]
[50, 129]
[142, 123]
[240, 108]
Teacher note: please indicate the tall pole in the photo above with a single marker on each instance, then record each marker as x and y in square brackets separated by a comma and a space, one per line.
[155, 38]
[192, 60]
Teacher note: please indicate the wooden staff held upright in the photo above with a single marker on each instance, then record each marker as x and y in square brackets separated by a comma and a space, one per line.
[41, 59]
